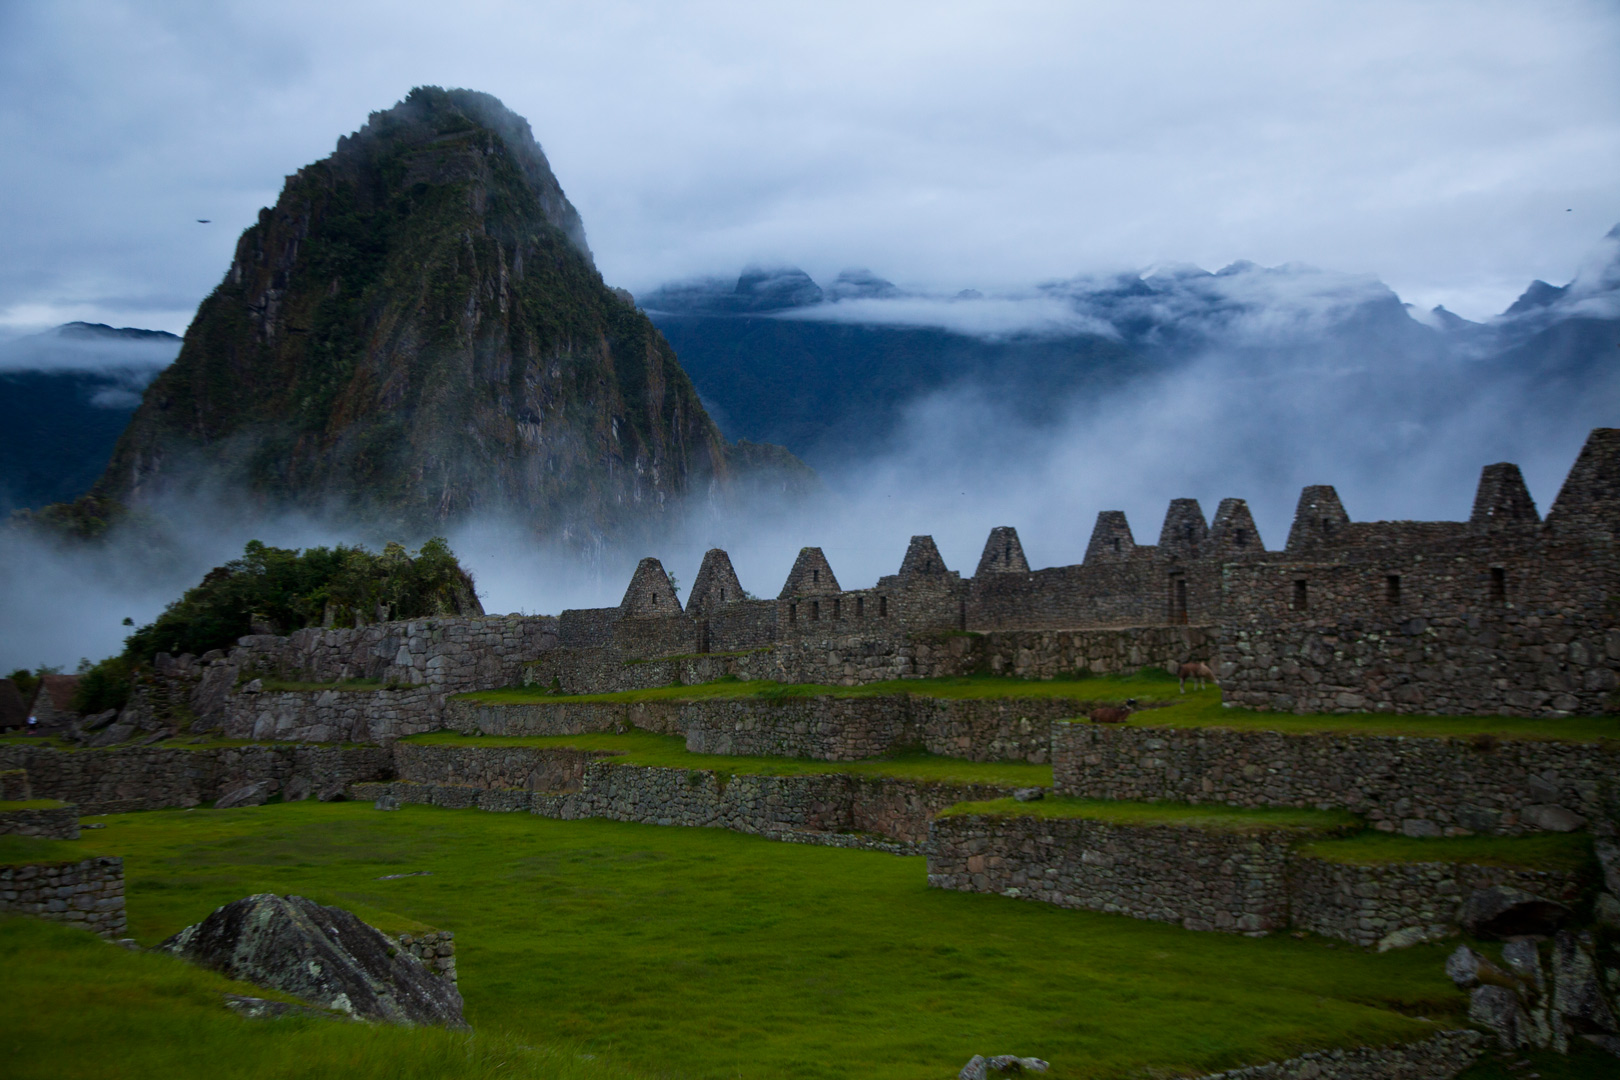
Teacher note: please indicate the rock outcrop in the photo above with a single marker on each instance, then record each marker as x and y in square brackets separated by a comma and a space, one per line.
[416, 332]
[323, 955]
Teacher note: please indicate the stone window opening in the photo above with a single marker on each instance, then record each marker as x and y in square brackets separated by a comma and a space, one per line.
[838, 609]
[1392, 589]
[883, 607]
[1239, 538]
[1006, 553]
[1498, 585]
[815, 611]
[860, 607]
[793, 613]
[1116, 545]
[703, 636]
[1178, 599]
[722, 594]
[1301, 596]
[815, 577]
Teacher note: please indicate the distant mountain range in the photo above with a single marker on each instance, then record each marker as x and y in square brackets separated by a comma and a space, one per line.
[65, 397]
[831, 372]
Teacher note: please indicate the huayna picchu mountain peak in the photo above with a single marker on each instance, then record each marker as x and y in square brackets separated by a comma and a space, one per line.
[416, 332]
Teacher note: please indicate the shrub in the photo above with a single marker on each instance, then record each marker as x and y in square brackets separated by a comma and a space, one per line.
[283, 590]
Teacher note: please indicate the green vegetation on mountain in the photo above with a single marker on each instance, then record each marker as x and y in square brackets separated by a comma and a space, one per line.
[415, 332]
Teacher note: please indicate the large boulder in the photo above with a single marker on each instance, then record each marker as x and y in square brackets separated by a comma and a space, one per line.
[1498, 1008]
[1502, 911]
[1577, 993]
[323, 955]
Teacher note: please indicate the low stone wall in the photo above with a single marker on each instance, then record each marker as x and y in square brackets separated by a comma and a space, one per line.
[1417, 786]
[850, 659]
[51, 822]
[89, 893]
[1366, 904]
[150, 778]
[436, 949]
[1201, 879]
[1438, 1058]
[825, 727]
[552, 769]
[451, 654]
[364, 716]
[890, 811]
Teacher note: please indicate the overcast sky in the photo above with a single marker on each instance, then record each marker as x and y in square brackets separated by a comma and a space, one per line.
[1456, 150]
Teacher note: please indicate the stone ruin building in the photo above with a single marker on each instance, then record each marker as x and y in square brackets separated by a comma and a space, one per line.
[1506, 612]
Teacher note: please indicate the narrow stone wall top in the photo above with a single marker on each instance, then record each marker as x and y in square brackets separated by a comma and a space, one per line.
[716, 584]
[650, 593]
[1502, 500]
[1589, 501]
[811, 576]
[1184, 532]
[922, 560]
[1318, 519]
[1234, 535]
[1111, 539]
[1003, 554]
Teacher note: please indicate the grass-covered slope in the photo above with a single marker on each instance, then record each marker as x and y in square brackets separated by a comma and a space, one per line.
[669, 751]
[685, 952]
[1163, 705]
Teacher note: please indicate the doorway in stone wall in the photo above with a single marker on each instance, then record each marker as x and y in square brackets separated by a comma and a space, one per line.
[1178, 599]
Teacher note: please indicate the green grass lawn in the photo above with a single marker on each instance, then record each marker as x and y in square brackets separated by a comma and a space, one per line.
[669, 751]
[1202, 815]
[1539, 851]
[1150, 682]
[1166, 705]
[678, 953]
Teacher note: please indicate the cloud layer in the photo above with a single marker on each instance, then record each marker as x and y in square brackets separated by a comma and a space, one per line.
[1455, 149]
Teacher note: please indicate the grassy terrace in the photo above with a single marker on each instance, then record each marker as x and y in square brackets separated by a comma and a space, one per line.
[970, 686]
[1203, 816]
[30, 804]
[669, 751]
[1165, 705]
[16, 849]
[664, 952]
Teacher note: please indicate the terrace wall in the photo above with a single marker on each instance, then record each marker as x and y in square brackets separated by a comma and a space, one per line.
[150, 778]
[1208, 879]
[825, 727]
[1200, 879]
[1417, 786]
[361, 716]
[1367, 904]
[49, 822]
[884, 813]
[89, 893]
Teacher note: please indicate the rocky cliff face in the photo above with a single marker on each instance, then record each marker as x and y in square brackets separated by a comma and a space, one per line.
[416, 332]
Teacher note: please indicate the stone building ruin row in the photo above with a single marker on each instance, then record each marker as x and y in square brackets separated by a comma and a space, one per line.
[1505, 612]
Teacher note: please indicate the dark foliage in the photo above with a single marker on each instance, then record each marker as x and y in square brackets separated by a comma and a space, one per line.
[281, 590]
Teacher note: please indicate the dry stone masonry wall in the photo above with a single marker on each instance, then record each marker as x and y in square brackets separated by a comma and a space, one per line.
[151, 778]
[47, 822]
[1416, 786]
[1200, 879]
[89, 893]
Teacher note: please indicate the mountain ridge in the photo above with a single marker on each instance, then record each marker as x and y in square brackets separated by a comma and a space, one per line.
[415, 333]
